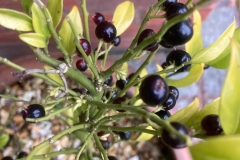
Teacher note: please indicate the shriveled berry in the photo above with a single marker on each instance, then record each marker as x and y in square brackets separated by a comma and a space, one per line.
[178, 57]
[22, 154]
[167, 3]
[112, 158]
[121, 83]
[153, 90]
[172, 140]
[86, 47]
[109, 81]
[125, 135]
[179, 33]
[174, 91]
[98, 18]
[144, 34]
[106, 31]
[163, 114]
[81, 65]
[7, 158]
[116, 41]
[33, 111]
[175, 9]
[170, 102]
[211, 124]
[105, 144]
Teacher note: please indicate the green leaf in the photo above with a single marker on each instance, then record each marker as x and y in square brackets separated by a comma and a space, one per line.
[15, 20]
[4, 138]
[214, 50]
[185, 114]
[193, 75]
[159, 68]
[26, 4]
[34, 39]
[123, 16]
[145, 136]
[196, 43]
[65, 31]
[230, 101]
[44, 150]
[39, 21]
[55, 8]
[54, 77]
[217, 148]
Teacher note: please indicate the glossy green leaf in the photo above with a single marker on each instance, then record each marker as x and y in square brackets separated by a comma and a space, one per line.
[222, 63]
[44, 150]
[26, 4]
[217, 148]
[4, 138]
[34, 39]
[65, 31]
[195, 44]
[193, 75]
[214, 50]
[123, 16]
[39, 21]
[54, 77]
[185, 114]
[230, 101]
[15, 20]
[55, 8]
[145, 136]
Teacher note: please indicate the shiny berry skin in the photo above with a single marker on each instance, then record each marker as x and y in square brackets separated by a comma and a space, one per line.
[109, 81]
[165, 45]
[98, 18]
[167, 3]
[105, 144]
[171, 140]
[22, 154]
[144, 34]
[106, 31]
[86, 46]
[116, 41]
[211, 124]
[125, 135]
[163, 114]
[178, 57]
[112, 158]
[174, 91]
[179, 33]
[175, 9]
[170, 102]
[121, 83]
[7, 158]
[33, 111]
[81, 65]
[153, 90]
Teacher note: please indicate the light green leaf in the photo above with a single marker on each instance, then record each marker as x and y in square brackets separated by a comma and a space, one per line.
[195, 44]
[185, 114]
[55, 8]
[65, 31]
[159, 68]
[44, 150]
[230, 101]
[214, 50]
[4, 138]
[39, 21]
[15, 20]
[193, 75]
[143, 73]
[125, 67]
[26, 4]
[34, 39]
[145, 136]
[123, 16]
[54, 77]
[217, 148]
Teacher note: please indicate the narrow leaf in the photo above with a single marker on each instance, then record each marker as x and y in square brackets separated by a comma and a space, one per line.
[218, 148]
[54, 77]
[4, 138]
[123, 16]
[44, 150]
[65, 31]
[55, 8]
[145, 136]
[26, 4]
[15, 20]
[159, 68]
[125, 67]
[230, 101]
[34, 39]
[193, 76]
[214, 50]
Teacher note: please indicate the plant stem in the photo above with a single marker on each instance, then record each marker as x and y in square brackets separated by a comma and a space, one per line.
[85, 19]
[100, 147]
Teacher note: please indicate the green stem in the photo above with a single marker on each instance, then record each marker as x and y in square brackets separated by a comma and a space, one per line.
[85, 19]
[100, 147]
[105, 56]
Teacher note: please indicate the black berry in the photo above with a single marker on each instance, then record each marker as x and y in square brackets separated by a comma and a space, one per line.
[163, 114]
[98, 18]
[170, 102]
[144, 34]
[164, 65]
[153, 90]
[174, 91]
[7, 158]
[81, 65]
[105, 144]
[167, 3]
[121, 83]
[125, 135]
[171, 140]
[86, 47]
[80, 90]
[106, 31]
[112, 158]
[22, 154]
[116, 41]
[211, 124]
[175, 9]
[178, 57]
[33, 111]
[119, 100]
[165, 45]
[109, 81]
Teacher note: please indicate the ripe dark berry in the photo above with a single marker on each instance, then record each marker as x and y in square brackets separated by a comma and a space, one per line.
[80, 90]
[164, 44]
[121, 83]
[22, 154]
[98, 18]
[119, 100]
[106, 31]
[125, 135]
[178, 57]
[211, 124]
[33, 111]
[7, 158]
[171, 140]
[81, 65]
[112, 158]
[164, 65]
[175, 9]
[116, 41]
[153, 90]
[174, 91]
[167, 3]
[144, 34]
[170, 102]
[109, 81]
[179, 33]
[163, 114]
[105, 144]
[86, 47]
